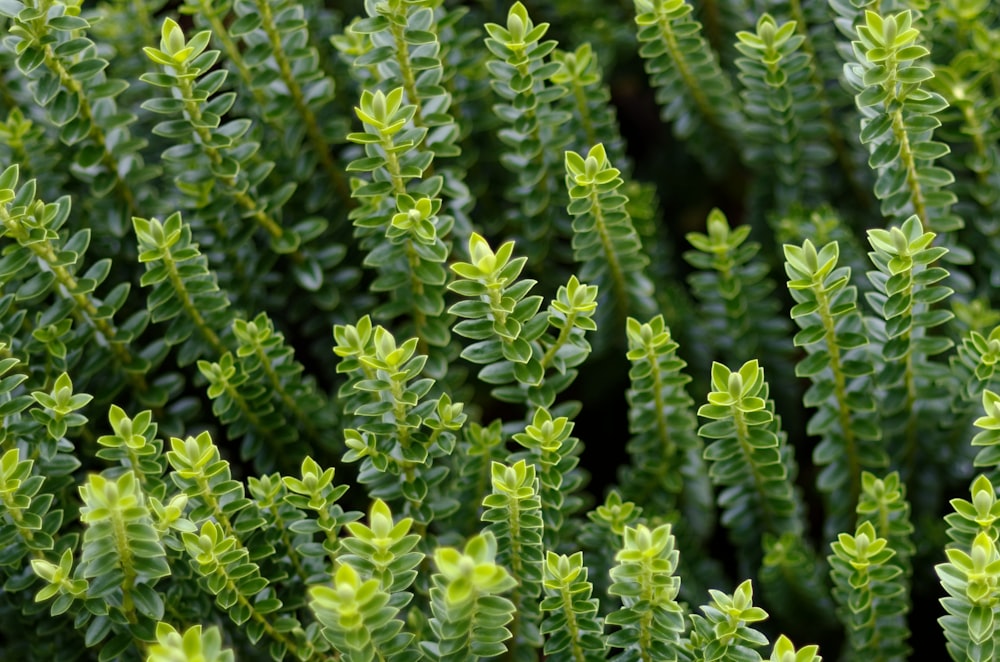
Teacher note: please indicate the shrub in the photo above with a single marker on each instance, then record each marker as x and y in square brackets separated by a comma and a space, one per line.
[414, 329]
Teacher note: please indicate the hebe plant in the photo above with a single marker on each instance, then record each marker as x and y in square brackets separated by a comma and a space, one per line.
[570, 330]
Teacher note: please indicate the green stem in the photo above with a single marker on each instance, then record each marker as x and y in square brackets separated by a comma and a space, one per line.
[840, 393]
[646, 621]
[205, 492]
[317, 140]
[910, 165]
[178, 285]
[571, 624]
[514, 519]
[662, 428]
[95, 133]
[614, 265]
[910, 384]
[694, 86]
[561, 339]
[552, 496]
[833, 131]
[279, 388]
[246, 411]
[245, 201]
[495, 290]
[392, 165]
[125, 560]
[405, 68]
[742, 436]
[84, 306]
[293, 554]
[274, 634]
[516, 568]
[417, 285]
[399, 413]
[325, 523]
[133, 458]
[532, 116]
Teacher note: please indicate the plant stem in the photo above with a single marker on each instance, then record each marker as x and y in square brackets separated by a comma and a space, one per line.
[317, 140]
[614, 264]
[177, 283]
[84, 307]
[910, 165]
[840, 393]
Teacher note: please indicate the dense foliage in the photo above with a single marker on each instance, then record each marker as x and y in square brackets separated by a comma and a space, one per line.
[566, 330]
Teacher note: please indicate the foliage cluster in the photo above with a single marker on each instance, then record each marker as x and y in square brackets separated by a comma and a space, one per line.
[570, 330]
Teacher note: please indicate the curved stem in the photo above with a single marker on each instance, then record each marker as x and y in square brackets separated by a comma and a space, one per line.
[293, 554]
[564, 334]
[406, 70]
[205, 492]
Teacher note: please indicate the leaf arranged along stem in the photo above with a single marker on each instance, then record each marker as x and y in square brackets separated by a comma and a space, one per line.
[861, 570]
[605, 242]
[405, 432]
[748, 456]
[732, 284]
[48, 260]
[574, 629]
[520, 75]
[524, 362]
[68, 75]
[215, 168]
[514, 511]
[650, 621]
[695, 94]
[398, 220]
[840, 365]
[906, 287]
[187, 490]
[781, 98]
[469, 615]
[667, 470]
[899, 121]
